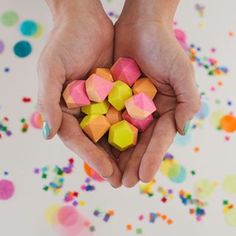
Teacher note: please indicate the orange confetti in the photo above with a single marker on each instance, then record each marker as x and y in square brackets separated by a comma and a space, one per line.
[129, 227]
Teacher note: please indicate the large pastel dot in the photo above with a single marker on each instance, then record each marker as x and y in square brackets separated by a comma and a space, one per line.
[51, 214]
[22, 49]
[39, 32]
[230, 217]
[178, 175]
[228, 123]
[1, 46]
[229, 184]
[7, 189]
[9, 18]
[92, 173]
[36, 120]
[166, 165]
[181, 140]
[204, 188]
[68, 216]
[203, 112]
[216, 117]
[28, 28]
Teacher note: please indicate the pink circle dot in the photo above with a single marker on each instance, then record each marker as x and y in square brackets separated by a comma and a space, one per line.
[7, 189]
[68, 216]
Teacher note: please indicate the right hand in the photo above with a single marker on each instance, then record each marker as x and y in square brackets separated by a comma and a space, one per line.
[78, 43]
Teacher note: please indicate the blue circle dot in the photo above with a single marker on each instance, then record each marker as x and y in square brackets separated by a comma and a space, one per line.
[28, 28]
[22, 49]
[181, 176]
[203, 112]
[183, 140]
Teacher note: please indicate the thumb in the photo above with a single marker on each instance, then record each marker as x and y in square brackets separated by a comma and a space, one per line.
[49, 95]
[188, 99]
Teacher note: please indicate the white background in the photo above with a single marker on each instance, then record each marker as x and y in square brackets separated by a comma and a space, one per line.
[24, 214]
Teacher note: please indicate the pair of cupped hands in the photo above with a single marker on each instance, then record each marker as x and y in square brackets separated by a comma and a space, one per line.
[81, 42]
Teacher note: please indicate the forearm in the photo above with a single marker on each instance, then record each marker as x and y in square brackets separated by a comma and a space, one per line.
[157, 10]
[73, 8]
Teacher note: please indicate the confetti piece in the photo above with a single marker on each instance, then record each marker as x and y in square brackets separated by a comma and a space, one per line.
[197, 206]
[211, 65]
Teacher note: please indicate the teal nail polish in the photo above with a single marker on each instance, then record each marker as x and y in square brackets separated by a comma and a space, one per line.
[46, 129]
[187, 127]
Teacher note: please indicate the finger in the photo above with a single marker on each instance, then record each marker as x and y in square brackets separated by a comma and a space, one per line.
[131, 172]
[162, 137]
[115, 178]
[49, 93]
[188, 99]
[124, 158]
[74, 138]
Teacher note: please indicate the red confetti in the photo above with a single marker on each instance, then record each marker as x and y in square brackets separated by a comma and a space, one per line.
[26, 99]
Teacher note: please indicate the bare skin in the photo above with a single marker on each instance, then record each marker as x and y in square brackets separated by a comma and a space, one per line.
[77, 44]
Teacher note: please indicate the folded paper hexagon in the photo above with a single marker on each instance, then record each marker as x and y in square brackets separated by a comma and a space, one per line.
[123, 135]
[140, 106]
[145, 86]
[94, 108]
[75, 94]
[126, 70]
[141, 125]
[95, 126]
[113, 115]
[104, 73]
[119, 94]
[98, 88]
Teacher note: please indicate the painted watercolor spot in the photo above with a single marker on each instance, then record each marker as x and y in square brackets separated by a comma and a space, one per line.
[183, 140]
[229, 184]
[203, 112]
[9, 18]
[68, 216]
[67, 221]
[7, 189]
[230, 217]
[2, 46]
[36, 120]
[228, 123]
[22, 49]
[173, 170]
[204, 188]
[40, 30]
[92, 173]
[28, 28]
[51, 214]
[216, 118]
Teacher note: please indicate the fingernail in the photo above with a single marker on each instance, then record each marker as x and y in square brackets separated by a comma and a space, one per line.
[46, 129]
[187, 127]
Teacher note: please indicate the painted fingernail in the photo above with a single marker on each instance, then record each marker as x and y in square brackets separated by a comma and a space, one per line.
[187, 127]
[46, 129]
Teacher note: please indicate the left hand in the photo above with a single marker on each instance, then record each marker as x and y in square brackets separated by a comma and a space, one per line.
[154, 47]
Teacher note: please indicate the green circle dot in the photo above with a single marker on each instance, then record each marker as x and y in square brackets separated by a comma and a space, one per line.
[9, 18]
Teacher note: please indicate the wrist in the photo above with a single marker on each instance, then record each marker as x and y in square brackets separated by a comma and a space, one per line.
[161, 11]
[67, 10]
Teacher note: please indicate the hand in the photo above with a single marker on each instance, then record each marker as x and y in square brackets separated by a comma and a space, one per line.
[154, 47]
[82, 39]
